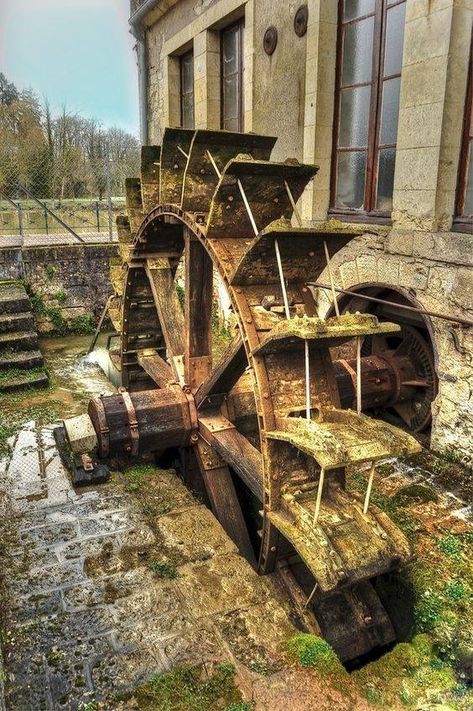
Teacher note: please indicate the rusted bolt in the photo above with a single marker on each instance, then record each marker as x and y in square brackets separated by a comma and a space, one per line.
[238, 290]
[273, 549]
[175, 166]
[311, 254]
[276, 200]
[194, 437]
[230, 198]
[275, 477]
[248, 320]
[202, 171]
[266, 394]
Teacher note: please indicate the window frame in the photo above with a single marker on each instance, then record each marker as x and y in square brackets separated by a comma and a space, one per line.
[369, 212]
[240, 24]
[182, 58]
[461, 221]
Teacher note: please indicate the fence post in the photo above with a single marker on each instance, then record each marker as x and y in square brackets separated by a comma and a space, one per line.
[46, 221]
[97, 214]
[109, 197]
[20, 219]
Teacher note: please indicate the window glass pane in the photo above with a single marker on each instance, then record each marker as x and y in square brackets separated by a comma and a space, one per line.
[357, 8]
[357, 52]
[390, 111]
[232, 82]
[468, 207]
[230, 97]
[354, 116]
[187, 73]
[351, 168]
[386, 161]
[394, 40]
[230, 49]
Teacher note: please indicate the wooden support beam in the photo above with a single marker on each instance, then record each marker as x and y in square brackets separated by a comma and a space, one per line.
[156, 368]
[235, 449]
[223, 497]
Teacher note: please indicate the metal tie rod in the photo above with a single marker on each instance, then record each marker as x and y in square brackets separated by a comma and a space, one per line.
[405, 307]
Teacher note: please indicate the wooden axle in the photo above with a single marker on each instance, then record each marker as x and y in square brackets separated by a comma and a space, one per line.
[155, 420]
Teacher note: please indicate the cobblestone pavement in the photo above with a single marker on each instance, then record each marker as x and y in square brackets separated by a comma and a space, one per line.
[86, 614]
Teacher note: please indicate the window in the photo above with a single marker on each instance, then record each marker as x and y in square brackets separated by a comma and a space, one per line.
[369, 60]
[187, 90]
[464, 201]
[231, 48]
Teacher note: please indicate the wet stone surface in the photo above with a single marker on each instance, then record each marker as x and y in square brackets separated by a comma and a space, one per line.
[85, 615]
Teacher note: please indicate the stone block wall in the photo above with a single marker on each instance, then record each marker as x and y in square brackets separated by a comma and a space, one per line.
[74, 279]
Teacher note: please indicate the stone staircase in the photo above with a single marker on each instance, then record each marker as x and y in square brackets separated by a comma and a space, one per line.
[21, 361]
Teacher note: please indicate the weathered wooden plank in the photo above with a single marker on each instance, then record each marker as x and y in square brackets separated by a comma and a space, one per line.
[223, 497]
[225, 375]
[235, 449]
[167, 303]
[157, 369]
[198, 310]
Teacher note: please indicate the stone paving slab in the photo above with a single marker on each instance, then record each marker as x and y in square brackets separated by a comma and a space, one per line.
[86, 614]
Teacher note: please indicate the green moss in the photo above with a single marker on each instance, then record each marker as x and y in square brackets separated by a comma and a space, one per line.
[314, 653]
[135, 476]
[55, 657]
[61, 296]
[15, 410]
[415, 493]
[82, 325]
[164, 569]
[23, 374]
[191, 689]
[451, 546]
[50, 271]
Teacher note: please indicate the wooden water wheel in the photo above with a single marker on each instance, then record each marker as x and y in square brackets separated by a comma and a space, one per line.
[276, 418]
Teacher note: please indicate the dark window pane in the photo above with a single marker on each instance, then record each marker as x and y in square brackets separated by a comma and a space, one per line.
[357, 52]
[386, 161]
[351, 169]
[230, 97]
[230, 51]
[187, 90]
[187, 73]
[357, 8]
[232, 80]
[394, 40]
[390, 111]
[468, 207]
[354, 117]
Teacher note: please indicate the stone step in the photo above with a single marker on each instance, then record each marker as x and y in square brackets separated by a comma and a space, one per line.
[20, 359]
[19, 340]
[22, 321]
[40, 380]
[13, 298]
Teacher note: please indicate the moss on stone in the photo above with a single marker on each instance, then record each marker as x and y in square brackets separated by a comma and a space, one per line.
[313, 652]
[191, 689]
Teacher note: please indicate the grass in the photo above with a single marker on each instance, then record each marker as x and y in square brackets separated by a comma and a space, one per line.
[23, 374]
[191, 689]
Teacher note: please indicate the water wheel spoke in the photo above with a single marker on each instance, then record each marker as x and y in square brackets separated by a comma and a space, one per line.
[169, 309]
[225, 375]
[198, 312]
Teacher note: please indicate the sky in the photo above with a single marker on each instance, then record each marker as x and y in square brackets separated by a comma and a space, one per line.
[77, 53]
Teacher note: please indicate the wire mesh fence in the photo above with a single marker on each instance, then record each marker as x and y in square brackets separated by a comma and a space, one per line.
[78, 201]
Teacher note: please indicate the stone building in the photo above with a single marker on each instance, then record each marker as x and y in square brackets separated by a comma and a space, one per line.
[378, 94]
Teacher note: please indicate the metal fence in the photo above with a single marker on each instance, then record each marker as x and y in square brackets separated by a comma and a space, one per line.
[79, 202]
